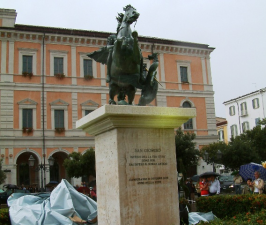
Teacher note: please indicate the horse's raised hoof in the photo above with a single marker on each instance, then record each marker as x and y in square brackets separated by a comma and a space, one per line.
[112, 102]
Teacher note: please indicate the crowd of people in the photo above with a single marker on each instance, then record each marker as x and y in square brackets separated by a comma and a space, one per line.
[209, 186]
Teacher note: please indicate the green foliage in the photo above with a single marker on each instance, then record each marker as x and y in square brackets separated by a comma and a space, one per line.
[2, 174]
[186, 153]
[78, 165]
[228, 206]
[4, 217]
[241, 218]
[243, 149]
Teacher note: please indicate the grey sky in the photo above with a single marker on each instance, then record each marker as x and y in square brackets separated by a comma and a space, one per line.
[236, 28]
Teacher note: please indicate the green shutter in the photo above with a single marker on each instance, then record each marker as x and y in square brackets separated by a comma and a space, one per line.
[59, 118]
[27, 64]
[183, 71]
[58, 65]
[27, 118]
[87, 66]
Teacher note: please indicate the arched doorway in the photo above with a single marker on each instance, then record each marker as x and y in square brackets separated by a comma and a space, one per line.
[25, 174]
[57, 171]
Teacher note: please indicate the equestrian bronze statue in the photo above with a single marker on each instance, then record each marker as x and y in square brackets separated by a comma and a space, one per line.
[125, 68]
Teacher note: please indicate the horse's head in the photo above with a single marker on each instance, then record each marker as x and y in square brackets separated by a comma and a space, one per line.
[131, 14]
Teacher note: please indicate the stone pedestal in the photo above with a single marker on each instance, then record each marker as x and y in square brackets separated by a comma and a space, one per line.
[136, 163]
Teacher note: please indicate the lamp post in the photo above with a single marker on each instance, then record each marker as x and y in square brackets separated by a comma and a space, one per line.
[41, 167]
[209, 160]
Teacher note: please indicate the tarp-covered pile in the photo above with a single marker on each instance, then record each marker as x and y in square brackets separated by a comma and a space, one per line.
[49, 209]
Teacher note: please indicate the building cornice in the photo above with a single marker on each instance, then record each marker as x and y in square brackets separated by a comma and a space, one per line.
[98, 39]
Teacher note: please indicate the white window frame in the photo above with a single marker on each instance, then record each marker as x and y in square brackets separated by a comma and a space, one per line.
[28, 104]
[245, 126]
[60, 54]
[255, 103]
[184, 64]
[31, 52]
[232, 112]
[82, 56]
[235, 132]
[62, 106]
[88, 105]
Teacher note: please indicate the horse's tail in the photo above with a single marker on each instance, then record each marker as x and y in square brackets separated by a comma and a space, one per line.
[149, 91]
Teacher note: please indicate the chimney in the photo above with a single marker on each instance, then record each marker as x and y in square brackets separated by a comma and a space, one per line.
[7, 17]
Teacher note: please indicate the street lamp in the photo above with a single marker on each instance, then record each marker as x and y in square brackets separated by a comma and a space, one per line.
[41, 167]
[209, 160]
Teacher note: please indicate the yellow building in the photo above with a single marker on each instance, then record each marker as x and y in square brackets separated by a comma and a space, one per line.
[44, 90]
[221, 125]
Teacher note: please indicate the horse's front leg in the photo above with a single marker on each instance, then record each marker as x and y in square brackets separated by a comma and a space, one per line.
[131, 91]
[113, 91]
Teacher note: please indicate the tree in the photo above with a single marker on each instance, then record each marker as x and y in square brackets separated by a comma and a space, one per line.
[2, 174]
[243, 149]
[78, 165]
[186, 153]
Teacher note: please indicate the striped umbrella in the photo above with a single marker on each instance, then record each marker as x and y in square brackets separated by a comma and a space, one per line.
[248, 170]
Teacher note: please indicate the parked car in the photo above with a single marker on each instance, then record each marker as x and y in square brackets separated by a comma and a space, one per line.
[227, 184]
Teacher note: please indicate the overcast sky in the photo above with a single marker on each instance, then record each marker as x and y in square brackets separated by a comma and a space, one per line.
[236, 28]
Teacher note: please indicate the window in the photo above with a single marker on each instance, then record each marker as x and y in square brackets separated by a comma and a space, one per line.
[189, 123]
[27, 113]
[232, 110]
[27, 64]
[245, 126]
[233, 129]
[184, 75]
[221, 135]
[27, 60]
[58, 65]
[87, 66]
[58, 62]
[255, 103]
[59, 119]
[257, 120]
[88, 107]
[243, 107]
[88, 112]
[59, 115]
[27, 118]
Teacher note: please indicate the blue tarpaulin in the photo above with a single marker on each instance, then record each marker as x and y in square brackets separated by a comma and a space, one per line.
[51, 209]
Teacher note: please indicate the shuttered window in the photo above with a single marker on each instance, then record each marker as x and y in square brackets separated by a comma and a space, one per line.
[232, 110]
[233, 129]
[27, 64]
[245, 126]
[58, 65]
[255, 103]
[59, 118]
[27, 118]
[87, 66]
[183, 71]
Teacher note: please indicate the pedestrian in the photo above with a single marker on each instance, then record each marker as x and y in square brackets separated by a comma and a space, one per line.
[238, 180]
[258, 184]
[189, 186]
[198, 188]
[248, 189]
[214, 188]
[204, 187]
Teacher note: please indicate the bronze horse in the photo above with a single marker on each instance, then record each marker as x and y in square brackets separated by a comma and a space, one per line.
[125, 69]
